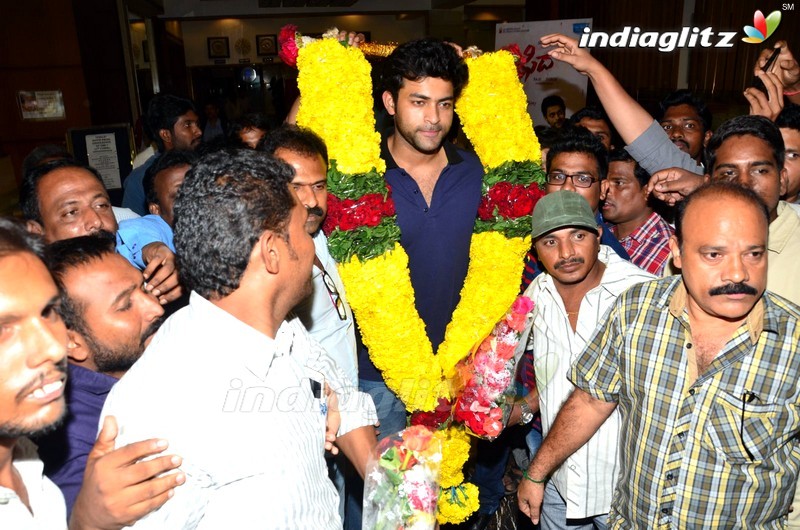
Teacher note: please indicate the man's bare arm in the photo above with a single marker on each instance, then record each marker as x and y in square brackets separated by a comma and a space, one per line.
[358, 445]
[576, 423]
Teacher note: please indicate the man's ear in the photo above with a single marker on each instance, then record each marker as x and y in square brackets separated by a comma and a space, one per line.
[154, 208]
[34, 227]
[76, 347]
[707, 137]
[166, 137]
[675, 248]
[268, 251]
[784, 181]
[388, 102]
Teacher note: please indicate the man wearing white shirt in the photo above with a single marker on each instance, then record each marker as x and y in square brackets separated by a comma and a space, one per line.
[233, 380]
[582, 279]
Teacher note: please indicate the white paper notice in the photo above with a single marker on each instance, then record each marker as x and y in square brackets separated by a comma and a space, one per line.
[101, 150]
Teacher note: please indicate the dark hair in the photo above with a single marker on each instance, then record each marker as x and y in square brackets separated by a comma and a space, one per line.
[592, 113]
[789, 118]
[422, 58]
[547, 136]
[553, 101]
[580, 140]
[29, 192]
[163, 112]
[297, 140]
[717, 190]
[37, 157]
[621, 155]
[248, 121]
[685, 96]
[757, 126]
[228, 200]
[15, 238]
[168, 160]
[62, 256]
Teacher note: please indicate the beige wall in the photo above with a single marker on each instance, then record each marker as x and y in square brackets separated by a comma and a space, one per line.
[383, 28]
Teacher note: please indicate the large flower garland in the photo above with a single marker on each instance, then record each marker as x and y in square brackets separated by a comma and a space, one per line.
[364, 237]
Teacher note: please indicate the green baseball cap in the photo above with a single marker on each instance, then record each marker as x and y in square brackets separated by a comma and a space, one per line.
[559, 209]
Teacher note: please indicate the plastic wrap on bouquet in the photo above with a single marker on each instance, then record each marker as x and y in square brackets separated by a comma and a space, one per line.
[485, 380]
[401, 487]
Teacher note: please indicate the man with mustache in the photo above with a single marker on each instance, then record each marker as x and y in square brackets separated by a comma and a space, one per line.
[110, 319]
[325, 313]
[580, 281]
[704, 369]
[118, 488]
[642, 232]
[687, 122]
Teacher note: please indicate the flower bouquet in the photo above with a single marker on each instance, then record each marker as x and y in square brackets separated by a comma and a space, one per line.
[401, 487]
[486, 377]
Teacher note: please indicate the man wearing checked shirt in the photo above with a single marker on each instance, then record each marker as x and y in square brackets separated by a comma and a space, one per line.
[704, 368]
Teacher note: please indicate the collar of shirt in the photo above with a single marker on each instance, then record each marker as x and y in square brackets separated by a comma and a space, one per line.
[450, 151]
[254, 349]
[784, 227]
[89, 380]
[645, 231]
[760, 318]
[613, 276]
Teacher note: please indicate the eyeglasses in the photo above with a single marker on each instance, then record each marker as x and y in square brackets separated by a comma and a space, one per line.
[579, 180]
[333, 292]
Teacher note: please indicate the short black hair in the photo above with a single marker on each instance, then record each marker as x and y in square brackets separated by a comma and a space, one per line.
[297, 140]
[14, 238]
[163, 112]
[746, 125]
[28, 190]
[553, 101]
[254, 120]
[168, 160]
[62, 256]
[621, 155]
[717, 190]
[789, 118]
[685, 96]
[580, 140]
[423, 58]
[39, 154]
[592, 113]
[228, 200]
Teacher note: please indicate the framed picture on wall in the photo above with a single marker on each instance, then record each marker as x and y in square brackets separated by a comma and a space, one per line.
[266, 45]
[218, 48]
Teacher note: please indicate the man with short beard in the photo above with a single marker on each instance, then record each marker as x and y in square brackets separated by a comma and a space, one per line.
[110, 319]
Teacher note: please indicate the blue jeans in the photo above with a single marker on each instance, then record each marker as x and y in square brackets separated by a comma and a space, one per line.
[391, 411]
[490, 466]
[392, 415]
[554, 514]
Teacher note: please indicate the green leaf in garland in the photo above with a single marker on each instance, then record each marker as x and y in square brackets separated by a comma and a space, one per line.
[348, 186]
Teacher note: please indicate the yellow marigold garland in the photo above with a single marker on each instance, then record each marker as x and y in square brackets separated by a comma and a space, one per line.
[493, 111]
[413, 374]
[350, 137]
[457, 503]
[492, 283]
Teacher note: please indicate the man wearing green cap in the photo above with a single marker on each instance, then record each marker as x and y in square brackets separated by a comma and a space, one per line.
[581, 280]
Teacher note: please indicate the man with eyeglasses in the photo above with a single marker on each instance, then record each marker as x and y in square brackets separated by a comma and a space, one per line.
[704, 368]
[577, 162]
[325, 313]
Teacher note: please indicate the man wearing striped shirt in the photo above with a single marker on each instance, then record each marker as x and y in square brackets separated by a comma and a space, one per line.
[582, 278]
[705, 370]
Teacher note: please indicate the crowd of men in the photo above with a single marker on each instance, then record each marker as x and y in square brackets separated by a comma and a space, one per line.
[207, 317]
